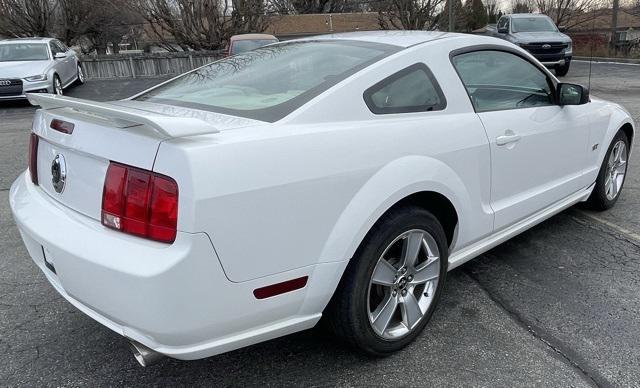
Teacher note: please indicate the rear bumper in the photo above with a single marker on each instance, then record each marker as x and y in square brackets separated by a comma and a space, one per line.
[175, 298]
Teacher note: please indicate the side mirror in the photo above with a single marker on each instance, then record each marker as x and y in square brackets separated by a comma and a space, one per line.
[503, 30]
[572, 94]
[60, 55]
[562, 28]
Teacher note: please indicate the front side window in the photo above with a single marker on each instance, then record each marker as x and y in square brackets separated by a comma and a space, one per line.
[23, 52]
[497, 80]
[270, 82]
[413, 89]
[503, 23]
[54, 48]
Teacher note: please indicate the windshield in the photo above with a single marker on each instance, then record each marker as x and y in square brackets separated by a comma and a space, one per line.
[536, 24]
[23, 52]
[240, 46]
[270, 82]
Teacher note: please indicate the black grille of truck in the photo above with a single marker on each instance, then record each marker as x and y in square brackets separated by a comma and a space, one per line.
[545, 48]
[10, 87]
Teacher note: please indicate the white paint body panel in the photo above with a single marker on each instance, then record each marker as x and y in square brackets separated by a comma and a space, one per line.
[261, 203]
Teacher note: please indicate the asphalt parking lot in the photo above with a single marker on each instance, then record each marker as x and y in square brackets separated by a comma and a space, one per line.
[556, 306]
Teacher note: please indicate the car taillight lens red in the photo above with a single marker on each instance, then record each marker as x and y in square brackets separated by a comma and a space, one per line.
[140, 202]
[33, 158]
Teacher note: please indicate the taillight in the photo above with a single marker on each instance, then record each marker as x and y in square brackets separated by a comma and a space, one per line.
[33, 157]
[140, 202]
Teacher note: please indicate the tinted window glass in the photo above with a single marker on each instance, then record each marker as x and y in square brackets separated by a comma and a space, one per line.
[498, 80]
[54, 48]
[413, 89]
[503, 23]
[269, 82]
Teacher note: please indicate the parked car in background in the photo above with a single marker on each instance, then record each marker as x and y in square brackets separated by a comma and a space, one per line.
[338, 176]
[36, 65]
[247, 42]
[539, 35]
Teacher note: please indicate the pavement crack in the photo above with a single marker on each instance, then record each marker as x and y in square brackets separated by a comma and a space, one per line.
[592, 377]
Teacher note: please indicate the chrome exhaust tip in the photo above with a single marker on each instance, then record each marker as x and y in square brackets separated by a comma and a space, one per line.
[144, 355]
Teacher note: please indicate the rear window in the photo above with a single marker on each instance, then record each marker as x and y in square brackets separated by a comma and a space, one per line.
[270, 82]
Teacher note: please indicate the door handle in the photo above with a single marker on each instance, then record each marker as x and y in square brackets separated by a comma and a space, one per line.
[508, 138]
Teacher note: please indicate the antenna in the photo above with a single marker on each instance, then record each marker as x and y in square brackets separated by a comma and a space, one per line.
[593, 32]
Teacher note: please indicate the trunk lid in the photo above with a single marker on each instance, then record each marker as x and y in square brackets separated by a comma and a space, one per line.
[84, 156]
[126, 132]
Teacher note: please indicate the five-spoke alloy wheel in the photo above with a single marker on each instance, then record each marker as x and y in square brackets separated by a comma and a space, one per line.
[392, 284]
[612, 173]
[403, 284]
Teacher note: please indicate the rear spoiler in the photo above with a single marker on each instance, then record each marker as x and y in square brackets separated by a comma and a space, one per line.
[169, 126]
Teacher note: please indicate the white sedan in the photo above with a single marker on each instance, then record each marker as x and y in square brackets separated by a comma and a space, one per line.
[338, 177]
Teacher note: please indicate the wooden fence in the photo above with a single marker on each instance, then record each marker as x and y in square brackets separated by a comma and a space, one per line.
[144, 65]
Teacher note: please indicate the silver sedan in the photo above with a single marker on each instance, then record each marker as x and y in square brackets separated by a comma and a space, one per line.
[37, 65]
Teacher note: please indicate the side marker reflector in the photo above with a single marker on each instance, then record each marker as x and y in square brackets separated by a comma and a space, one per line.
[280, 288]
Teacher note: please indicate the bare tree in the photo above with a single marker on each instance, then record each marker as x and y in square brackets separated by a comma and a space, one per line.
[285, 7]
[200, 24]
[26, 17]
[408, 14]
[75, 18]
[459, 17]
[568, 13]
[521, 6]
[492, 10]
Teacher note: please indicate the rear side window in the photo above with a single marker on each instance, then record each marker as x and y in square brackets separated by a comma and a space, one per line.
[413, 89]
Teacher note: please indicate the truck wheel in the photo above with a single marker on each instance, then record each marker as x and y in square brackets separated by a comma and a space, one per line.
[392, 284]
[561, 71]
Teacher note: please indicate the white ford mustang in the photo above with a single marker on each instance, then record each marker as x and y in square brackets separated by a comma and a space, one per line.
[339, 176]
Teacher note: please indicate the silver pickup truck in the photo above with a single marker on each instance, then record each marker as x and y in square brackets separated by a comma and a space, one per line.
[539, 35]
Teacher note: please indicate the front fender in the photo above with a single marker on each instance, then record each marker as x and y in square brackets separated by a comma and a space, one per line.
[393, 182]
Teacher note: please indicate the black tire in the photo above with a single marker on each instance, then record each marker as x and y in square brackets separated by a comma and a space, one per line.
[598, 199]
[347, 313]
[561, 71]
[56, 79]
[80, 75]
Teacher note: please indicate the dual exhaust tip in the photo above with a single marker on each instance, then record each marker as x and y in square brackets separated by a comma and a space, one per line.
[144, 355]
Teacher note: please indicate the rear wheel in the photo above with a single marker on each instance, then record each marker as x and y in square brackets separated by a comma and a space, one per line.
[393, 283]
[613, 172]
[57, 86]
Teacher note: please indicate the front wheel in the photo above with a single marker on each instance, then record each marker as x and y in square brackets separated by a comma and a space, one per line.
[612, 174]
[561, 71]
[80, 75]
[57, 86]
[392, 285]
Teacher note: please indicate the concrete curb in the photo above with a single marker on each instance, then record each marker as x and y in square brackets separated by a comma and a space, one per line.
[613, 60]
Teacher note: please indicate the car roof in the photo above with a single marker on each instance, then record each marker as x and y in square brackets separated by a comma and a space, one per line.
[529, 15]
[400, 38]
[26, 40]
[253, 37]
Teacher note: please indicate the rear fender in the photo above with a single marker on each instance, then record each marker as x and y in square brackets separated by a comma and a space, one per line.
[395, 181]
